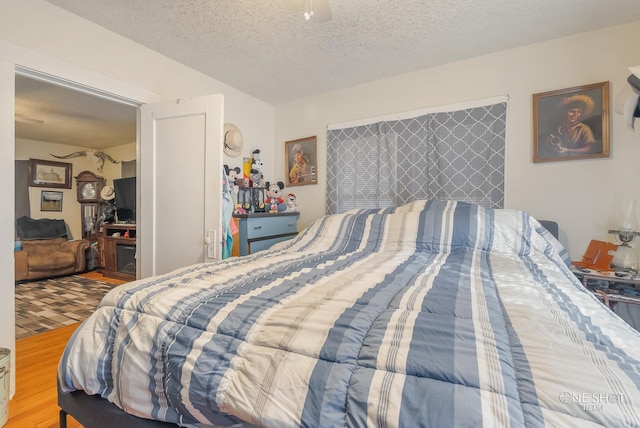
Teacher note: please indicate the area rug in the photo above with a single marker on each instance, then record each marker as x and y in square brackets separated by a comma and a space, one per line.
[57, 302]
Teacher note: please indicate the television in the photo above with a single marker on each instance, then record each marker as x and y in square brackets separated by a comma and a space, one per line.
[125, 200]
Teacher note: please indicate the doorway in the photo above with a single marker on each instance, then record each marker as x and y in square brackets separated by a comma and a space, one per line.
[28, 63]
[55, 120]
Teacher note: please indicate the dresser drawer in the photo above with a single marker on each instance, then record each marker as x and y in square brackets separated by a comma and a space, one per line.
[260, 231]
[265, 244]
[271, 226]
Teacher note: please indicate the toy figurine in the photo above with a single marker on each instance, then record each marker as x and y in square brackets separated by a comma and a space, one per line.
[274, 201]
[291, 203]
[256, 170]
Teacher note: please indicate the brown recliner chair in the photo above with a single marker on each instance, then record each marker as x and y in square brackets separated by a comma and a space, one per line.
[46, 252]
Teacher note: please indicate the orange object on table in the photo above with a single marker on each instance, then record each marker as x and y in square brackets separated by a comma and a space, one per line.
[597, 256]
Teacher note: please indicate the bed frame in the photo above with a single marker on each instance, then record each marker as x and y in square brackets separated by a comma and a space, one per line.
[551, 226]
[93, 411]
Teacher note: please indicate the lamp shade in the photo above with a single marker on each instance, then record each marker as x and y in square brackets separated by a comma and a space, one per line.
[629, 222]
[625, 256]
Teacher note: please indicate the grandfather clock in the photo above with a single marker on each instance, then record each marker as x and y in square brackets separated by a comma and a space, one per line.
[89, 186]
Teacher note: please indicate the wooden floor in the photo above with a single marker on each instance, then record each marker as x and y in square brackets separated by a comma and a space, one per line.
[35, 404]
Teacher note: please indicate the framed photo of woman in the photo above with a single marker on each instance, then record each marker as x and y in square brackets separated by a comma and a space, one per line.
[571, 123]
[301, 161]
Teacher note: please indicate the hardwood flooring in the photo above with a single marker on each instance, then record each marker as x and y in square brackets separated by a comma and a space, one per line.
[35, 404]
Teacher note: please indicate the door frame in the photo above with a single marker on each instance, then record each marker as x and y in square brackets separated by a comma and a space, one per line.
[15, 59]
[99, 93]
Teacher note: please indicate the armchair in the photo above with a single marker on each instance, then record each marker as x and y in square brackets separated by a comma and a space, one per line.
[46, 252]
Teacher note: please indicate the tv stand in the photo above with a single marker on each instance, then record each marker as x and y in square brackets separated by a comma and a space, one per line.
[117, 250]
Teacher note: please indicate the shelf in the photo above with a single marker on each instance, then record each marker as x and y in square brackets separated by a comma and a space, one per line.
[124, 230]
[610, 287]
[117, 245]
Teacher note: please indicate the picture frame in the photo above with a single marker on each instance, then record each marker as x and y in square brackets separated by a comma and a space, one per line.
[301, 161]
[50, 200]
[44, 173]
[571, 123]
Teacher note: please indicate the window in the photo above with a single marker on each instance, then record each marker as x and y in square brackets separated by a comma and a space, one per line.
[443, 155]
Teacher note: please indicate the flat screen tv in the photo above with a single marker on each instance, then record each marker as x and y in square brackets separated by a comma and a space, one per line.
[125, 201]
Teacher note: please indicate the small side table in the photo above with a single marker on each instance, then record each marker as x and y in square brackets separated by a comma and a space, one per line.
[259, 231]
[612, 293]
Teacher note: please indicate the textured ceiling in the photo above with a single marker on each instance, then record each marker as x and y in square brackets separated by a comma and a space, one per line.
[45, 112]
[265, 48]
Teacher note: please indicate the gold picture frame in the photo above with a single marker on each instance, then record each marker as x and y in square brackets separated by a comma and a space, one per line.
[44, 173]
[50, 200]
[301, 161]
[571, 123]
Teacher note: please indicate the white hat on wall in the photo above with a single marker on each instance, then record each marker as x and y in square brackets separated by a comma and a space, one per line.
[233, 140]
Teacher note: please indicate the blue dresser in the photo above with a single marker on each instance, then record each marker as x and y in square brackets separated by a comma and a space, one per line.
[260, 231]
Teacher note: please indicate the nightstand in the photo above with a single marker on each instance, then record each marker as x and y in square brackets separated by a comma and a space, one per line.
[259, 231]
[609, 287]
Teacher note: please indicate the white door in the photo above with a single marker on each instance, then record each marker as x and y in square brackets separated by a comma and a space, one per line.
[179, 207]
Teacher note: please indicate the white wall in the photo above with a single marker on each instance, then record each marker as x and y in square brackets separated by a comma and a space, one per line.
[122, 153]
[584, 196]
[35, 34]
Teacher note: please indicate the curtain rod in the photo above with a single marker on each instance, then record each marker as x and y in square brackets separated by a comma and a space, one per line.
[415, 113]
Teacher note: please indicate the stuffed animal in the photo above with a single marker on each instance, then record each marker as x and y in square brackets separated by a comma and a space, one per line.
[291, 203]
[256, 174]
[233, 174]
[275, 202]
[256, 170]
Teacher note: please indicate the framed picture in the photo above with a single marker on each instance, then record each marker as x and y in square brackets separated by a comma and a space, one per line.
[45, 173]
[50, 201]
[302, 162]
[571, 123]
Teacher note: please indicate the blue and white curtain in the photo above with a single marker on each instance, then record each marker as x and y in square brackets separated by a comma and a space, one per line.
[456, 155]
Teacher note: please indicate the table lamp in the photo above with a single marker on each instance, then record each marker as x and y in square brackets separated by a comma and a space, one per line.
[625, 256]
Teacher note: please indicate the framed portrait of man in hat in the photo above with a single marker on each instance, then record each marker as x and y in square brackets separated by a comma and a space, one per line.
[301, 162]
[571, 123]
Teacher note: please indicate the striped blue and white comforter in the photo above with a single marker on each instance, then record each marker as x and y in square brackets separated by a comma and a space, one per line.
[432, 314]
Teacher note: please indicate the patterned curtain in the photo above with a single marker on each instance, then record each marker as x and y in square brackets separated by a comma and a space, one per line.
[455, 155]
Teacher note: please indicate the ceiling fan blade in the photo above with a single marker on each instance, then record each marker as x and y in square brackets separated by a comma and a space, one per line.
[322, 10]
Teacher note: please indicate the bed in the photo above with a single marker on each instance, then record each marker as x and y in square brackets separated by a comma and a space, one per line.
[434, 314]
